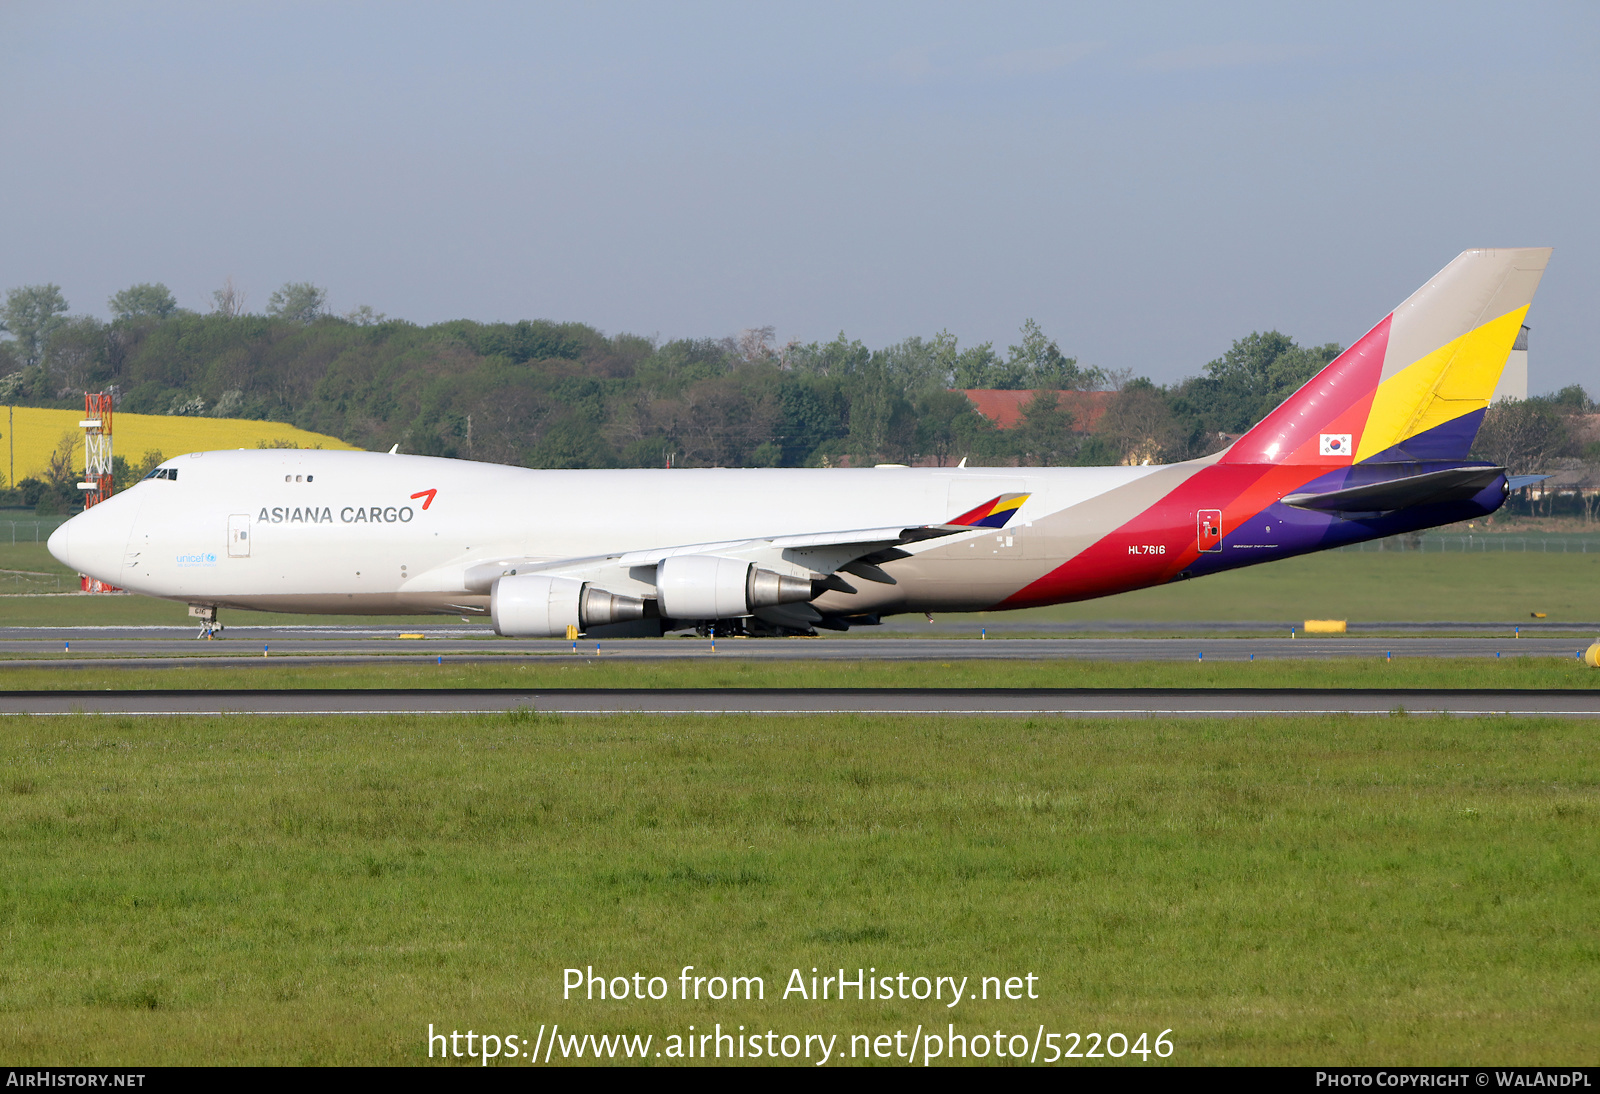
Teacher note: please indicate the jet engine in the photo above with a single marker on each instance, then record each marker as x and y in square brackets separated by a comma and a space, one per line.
[713, 587]
[543, 606]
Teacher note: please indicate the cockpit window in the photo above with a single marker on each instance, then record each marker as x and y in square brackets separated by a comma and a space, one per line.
[163, 473]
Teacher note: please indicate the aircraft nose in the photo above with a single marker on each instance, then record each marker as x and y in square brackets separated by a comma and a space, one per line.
[57, 544]
[93, 542]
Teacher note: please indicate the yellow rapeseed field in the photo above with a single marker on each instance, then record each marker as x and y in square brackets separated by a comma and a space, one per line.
[28, 435]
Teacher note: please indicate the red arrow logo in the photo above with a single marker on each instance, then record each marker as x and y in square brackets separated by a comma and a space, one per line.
[424, 494]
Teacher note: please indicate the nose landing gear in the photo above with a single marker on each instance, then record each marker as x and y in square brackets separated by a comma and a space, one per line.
[207, 614]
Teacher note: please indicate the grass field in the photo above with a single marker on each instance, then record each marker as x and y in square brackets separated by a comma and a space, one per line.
[1367, 587]
[35, 432]
[705, 670]
[29, 568]
[1360, 587]
[303, 890]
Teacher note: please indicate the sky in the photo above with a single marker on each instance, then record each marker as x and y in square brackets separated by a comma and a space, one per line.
[1147, 181]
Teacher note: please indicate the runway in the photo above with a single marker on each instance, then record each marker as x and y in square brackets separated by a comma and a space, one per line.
[174, 647]
[1074, 703]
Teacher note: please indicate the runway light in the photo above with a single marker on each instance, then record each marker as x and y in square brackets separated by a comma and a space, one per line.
[264, 651]
[1201, 656]
[1252, 657]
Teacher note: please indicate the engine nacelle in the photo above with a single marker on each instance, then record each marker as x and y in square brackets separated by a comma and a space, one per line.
[543, 606]
[713, 587]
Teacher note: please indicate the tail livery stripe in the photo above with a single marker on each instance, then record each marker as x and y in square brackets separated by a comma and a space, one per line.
[1417, 384]
[1453, 380]
[1334, 403]
[993, 513]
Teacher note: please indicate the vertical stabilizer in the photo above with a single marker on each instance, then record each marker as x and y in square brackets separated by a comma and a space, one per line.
[1417, 384]
[1448, 344]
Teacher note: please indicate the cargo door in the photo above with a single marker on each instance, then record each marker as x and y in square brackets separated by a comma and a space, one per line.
[1208, 525]
[239, 535]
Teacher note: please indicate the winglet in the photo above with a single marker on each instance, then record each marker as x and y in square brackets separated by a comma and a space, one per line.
[993, 513]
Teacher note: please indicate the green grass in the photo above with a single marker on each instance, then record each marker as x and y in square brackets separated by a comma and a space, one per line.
[715, 671]
[310, 890]
[34, 571]
[1365, 587]
[28, 567]
[82, 610]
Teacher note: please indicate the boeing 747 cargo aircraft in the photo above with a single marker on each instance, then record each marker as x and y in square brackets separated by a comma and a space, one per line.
[1374, 445]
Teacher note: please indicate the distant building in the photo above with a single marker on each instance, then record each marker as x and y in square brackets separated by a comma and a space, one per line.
[1514, 380]
[1004, 407]
[1569, 478]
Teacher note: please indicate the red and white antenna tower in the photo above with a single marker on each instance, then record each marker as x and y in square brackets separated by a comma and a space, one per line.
[97, 475]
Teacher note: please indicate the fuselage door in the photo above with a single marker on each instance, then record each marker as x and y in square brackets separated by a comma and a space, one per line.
[1208, 526]
[239, 535]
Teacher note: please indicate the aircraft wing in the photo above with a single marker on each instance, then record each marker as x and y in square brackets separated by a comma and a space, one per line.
[859, 552]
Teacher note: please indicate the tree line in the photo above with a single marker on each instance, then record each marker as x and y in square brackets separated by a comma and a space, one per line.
[540, 393]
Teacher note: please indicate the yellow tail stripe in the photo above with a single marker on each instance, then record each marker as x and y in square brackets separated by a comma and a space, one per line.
[1455, 379]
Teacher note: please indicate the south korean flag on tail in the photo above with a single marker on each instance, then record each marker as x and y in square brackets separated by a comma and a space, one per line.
[1334, 444]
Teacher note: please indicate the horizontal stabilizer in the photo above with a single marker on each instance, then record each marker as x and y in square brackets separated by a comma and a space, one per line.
[1517, 482]
[1432, 488]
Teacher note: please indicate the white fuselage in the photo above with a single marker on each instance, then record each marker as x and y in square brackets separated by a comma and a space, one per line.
[299, 530]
